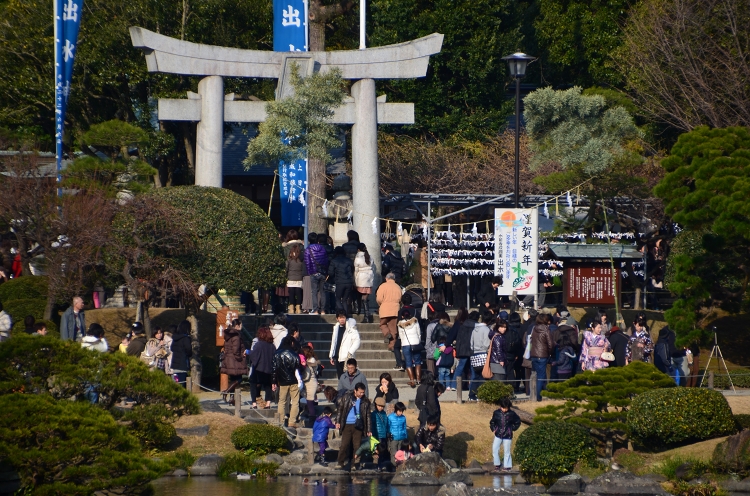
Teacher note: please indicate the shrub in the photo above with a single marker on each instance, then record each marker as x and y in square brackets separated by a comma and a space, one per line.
[740, 378]
[742, 420]
[239, 462]
[18, 328]
[19, 309]
[260, 438]
[248, 238]
[152, 425]
[549, 450]
[62, 369]
[591, 395]
[664, 417]
[24, 288]
[70, 447]
[494, 391]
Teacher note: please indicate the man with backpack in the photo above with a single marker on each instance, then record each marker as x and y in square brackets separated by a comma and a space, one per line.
[393, 263]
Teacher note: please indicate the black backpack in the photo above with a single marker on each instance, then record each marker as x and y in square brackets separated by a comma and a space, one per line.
[513, 344]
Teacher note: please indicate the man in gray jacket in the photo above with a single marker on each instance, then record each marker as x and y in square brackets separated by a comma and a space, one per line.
[73, 322]
[351, 377]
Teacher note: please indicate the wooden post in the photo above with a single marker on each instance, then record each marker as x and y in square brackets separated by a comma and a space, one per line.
[238, 402]
[710, 380]
[189, 384]
[459, 387]
[532, 386]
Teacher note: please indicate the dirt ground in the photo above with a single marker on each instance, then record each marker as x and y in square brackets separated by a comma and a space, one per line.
[220, 427]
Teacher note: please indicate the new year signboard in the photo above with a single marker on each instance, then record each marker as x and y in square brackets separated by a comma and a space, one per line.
[517, 250]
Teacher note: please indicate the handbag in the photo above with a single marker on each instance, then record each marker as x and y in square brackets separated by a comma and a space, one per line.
[327, 286]
[608, 356]
[527, 353]
[415, 348]
[487, 371]
[359, 424]
[477, 359]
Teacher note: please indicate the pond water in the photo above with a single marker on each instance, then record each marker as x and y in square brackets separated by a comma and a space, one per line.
[294, 486]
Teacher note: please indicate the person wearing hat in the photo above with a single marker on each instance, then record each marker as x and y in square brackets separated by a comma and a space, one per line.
[379, 426]
[138, 343]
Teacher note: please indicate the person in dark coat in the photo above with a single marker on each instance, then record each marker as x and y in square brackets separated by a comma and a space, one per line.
[619, 342]
[234, 359]
[393, 263]
[341, 273]
[426, 399]
[261, 360]
[487, 295]
[316, 263]
[350, 247]
[463, 346]
[386, 389]
[182, 351]
[138, 343]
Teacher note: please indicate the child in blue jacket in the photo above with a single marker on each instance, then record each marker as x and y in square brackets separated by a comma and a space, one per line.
[396, 430]
[322, 425]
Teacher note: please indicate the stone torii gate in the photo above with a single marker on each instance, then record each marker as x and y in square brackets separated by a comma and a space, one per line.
[210, 107]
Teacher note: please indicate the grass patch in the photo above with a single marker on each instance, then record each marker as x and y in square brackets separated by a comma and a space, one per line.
[668, 466]
[590, 469]
[631, 461]
[180, 459]
[239, 462]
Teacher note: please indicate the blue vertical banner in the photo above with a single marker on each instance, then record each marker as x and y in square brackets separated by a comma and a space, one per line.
[289, 26]
[290, 35]
[67, 24]
[293, 191]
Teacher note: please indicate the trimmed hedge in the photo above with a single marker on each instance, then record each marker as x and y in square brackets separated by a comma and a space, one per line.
[664, 417]
[19, 309]
[549, 450]
[493, 391]
[246, 236]
[24, 288]
[742, 420]
[260, 438]
[740, 378]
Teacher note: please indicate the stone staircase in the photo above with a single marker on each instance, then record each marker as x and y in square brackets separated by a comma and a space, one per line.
[373, 357]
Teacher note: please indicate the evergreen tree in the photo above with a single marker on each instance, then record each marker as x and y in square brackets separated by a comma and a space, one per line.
[706, 190]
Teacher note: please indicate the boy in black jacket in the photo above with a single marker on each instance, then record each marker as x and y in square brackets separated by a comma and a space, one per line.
[504, 422]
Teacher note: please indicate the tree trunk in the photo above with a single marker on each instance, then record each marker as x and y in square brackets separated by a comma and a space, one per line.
[146, 318]
[49, 307]
[316, 184]
[189, 142]
[317, 41]
[196, 368]
[318, 16]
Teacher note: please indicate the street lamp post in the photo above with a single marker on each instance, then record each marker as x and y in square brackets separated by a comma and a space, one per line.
[517, 66]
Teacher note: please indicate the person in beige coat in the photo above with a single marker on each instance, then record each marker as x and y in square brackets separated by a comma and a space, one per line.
[389, 298]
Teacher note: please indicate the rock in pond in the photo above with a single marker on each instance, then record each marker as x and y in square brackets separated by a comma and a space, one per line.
[206, 465]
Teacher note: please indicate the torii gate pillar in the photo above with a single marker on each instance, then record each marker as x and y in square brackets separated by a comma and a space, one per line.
[210, 132]
[365, 185]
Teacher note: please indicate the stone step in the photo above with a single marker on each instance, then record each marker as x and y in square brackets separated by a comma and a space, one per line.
[322, 346]
[327, 336]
